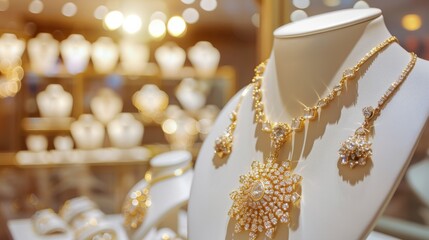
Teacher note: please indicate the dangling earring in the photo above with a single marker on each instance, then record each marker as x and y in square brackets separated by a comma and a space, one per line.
[357, 149]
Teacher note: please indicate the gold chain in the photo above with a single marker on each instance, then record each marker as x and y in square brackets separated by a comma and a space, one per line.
[280, 130]
[137, 203]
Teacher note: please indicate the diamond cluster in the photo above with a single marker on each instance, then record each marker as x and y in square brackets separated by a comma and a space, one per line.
[264, 198]
[356, 150]
[135, 208]
[223, 144]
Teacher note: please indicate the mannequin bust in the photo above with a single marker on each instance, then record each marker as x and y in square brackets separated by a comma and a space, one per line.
[75, 51]
[104, 55]
[106, 105]
[168, 195]
[171, 59]
[125, 131]
[307, 60]
[54, 102]
[205, 59]
[11, 48]
[134, 56]
[192, 94]
[87, 132]
[43, 51]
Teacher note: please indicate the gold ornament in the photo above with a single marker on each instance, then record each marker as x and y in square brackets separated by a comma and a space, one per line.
[258, 202]
[138, 202]
[357, 149]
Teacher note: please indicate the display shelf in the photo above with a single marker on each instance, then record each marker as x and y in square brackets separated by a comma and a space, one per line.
[46, 125]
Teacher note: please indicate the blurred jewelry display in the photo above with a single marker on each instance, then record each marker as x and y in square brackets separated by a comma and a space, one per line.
[134, 57]
[75, 51]
[63, 143]
[54, 102]
[104, 55]
[205, 59]
[47, 222]
[206, 118]
[37, 143]
[180, 130]
[150, 101]
[106, 105]
[357, 149]
[192, 94]
[138, 202]
[87, 132]
[43, 52]
[11, 49]
[269, 191]
[125, 131]
[171, 59]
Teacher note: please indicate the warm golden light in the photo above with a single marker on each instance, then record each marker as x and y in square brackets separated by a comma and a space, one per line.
[114, 20]
[190, 15]
[176, 26]
[411, 22]
[36, 6]
[156, 28]
[169, 126]
[100, 12]
[132, 24]
[69, 9]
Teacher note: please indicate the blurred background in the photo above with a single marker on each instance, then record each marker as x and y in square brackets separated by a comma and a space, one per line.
[76, 74]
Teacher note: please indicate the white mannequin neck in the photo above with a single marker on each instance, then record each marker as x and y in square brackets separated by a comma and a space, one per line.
[303, 65]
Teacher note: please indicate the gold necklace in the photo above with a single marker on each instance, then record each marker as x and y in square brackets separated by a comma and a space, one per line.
[267, 193]
[137, 203]
[357, 149]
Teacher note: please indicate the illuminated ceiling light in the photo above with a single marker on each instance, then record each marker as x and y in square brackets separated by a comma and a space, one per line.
[176, 26]
[298, 15]
[411, 22]
[36, 6]
[190, 15]
[361, 5]
[156, 28]
[208, 5]
[332, 3]
[100, 12]
[132, 24]
[188, 1]
[4, 5]
[255, 19]
[113, 20]
[301, 3]
[69, 9]
[158, 15]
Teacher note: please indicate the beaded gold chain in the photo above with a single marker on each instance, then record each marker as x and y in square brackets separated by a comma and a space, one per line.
[268, 192]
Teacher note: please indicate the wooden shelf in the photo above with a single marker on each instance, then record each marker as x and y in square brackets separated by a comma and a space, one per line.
[44, 125]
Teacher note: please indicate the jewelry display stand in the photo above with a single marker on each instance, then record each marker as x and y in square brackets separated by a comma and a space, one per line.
[104, 55]
[171, 59]
[87, 132]
[205, 59]
[43, 52]
[54, 102]
[191, 94]
[125, 131]
[134, 56]
[307, 60]
[106, 105]
[168, 195]
[11, 48]
[75, 51]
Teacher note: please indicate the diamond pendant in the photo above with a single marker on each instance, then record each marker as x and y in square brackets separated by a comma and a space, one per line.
[264, 198]
[135, 208]
[356, 150]
[223, 145]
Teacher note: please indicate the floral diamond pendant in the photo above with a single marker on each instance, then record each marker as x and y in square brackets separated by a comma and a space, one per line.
[356, 150]
[223, 145]
[264, 198]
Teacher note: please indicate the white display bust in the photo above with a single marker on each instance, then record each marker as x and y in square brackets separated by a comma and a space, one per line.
[11, 48]
[54, 102]
[104, 55]
[125, 131]
[191, 94]
[307, 60]
[134, 56]
[43, 51]
[106, 105]
[205, 59]
[87, 132]
[171, 59]
[75, 51]
[166, 196]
